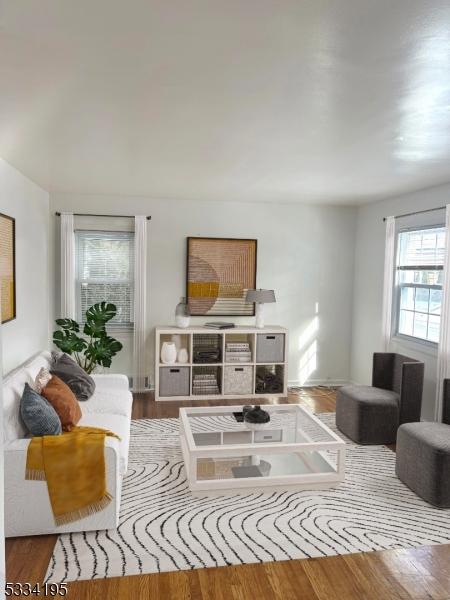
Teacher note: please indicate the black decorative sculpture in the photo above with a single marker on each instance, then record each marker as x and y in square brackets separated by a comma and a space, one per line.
[256, 417]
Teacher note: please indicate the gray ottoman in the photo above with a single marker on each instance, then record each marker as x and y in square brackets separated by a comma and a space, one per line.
[423, 461]
[367, 415]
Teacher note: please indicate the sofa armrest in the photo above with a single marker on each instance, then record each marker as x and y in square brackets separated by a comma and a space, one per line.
[112, 380]
[21, 519]
[21, 445]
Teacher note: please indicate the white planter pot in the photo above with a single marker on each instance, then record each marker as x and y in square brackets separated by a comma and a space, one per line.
[183, 356]
[168, 353]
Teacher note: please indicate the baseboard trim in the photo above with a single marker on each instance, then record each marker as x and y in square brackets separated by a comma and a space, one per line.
[319, 382]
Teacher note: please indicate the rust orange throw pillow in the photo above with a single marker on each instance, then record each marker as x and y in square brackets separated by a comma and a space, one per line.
[63, 401]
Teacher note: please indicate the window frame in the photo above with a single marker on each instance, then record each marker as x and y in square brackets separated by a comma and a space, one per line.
[114, 327]
[396, 296]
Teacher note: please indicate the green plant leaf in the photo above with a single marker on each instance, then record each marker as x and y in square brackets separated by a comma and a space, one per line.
[68, 342]
[68, 324]
[95, 329]
[102, 350]
[101, 312]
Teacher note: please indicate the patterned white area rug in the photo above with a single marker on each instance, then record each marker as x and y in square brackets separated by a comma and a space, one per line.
[164, 528]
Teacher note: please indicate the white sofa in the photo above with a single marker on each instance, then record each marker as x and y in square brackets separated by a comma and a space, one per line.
[27, 504]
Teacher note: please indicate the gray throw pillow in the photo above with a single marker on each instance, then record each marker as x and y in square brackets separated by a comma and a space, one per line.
[81, 384]
[38, 414]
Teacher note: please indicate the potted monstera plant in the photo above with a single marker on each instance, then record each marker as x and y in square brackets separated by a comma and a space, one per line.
[93, 346]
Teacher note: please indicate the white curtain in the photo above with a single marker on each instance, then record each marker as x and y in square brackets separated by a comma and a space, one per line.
[443, 361]
[140, 303]
[68, 309]
[388, 284]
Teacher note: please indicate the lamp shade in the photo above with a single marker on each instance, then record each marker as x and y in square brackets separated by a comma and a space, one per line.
[260, 296]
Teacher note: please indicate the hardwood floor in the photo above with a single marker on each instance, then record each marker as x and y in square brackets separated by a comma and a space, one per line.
[417, 573]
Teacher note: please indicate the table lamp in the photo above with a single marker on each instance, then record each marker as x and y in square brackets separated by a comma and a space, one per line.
[260, 297]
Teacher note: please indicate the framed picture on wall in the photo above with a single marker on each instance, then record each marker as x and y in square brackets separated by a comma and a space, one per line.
[219, 273]
[7, 268]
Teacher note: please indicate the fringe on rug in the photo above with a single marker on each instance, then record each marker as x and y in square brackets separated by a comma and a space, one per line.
[34, 475]
[81, 513]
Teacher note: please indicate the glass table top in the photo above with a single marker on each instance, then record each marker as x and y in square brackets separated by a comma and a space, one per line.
[225, 427]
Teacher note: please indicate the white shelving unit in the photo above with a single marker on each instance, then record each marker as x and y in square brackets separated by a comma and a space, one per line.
[269, 355]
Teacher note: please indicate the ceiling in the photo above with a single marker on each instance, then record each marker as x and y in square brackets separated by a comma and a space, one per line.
[339, 101]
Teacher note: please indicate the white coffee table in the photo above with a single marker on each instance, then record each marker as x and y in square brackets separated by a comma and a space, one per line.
[295, 450]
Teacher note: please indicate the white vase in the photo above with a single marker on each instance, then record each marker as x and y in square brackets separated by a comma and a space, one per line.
[182, 321]
[176, 339]
[183, 356]
[182, 314]
[168, 353]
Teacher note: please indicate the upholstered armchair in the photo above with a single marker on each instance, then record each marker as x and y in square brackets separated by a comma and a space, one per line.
[372, 414]
[423, 456]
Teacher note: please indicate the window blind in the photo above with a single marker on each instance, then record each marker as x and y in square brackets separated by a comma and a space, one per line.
[105, 272]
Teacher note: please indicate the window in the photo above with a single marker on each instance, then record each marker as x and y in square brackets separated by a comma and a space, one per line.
[420, 260]
[105, 271]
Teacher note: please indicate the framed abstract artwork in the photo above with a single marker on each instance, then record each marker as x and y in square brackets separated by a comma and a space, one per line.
[219, 272]
[7, 268]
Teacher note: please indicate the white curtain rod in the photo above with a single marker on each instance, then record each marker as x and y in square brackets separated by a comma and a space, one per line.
[417, 212]
[58, 214]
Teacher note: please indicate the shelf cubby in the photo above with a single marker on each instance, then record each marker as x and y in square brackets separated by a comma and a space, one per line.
[239, 345]
[181, 340]
[269, 379]
[207, 348]
[206, 380]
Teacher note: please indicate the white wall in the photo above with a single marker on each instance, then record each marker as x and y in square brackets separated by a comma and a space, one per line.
[305, 253]
[368, 288]
[29, 205]
[2, 490]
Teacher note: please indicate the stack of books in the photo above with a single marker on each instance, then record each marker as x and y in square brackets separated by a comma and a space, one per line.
[238, 352]
[219, 325]
[204, 384]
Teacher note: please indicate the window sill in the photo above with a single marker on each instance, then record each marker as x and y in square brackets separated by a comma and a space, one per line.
[416, 345]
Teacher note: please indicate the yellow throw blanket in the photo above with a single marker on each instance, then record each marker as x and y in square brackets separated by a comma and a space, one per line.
[73, 464]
